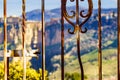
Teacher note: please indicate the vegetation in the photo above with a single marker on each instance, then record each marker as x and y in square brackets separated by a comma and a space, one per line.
[90, 64]
[88, 50]
[16, 72]
[73, 76]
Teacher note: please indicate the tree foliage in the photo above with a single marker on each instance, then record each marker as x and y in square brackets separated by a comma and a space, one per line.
[73, 76]
[16, 72]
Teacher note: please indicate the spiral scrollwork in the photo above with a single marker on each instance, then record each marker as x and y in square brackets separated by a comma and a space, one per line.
[77, 26]
[66, 15]
[73, 15]
[87, 16]
[83, 31]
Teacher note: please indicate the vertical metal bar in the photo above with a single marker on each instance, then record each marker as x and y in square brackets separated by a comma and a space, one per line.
[77, 13]
[78, 39]
[43, 41]
[118, 7]
[23, 38]
[78, 51]
[62, 41]
[99, 41]
[5, 40]
[8, 68]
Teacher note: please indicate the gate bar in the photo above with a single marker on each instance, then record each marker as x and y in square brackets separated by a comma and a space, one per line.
[78, 40]
[5, 41]
[62, 41]
[99, 41]
[118, 7]
[43, 40]
[7, 68]
[23, 38]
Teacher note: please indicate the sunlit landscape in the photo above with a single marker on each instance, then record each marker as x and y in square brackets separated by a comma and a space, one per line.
[33, 44]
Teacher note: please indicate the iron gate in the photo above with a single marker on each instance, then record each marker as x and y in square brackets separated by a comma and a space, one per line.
[77, 29]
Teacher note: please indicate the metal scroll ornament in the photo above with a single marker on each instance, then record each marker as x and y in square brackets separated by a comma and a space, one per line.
[77, 25]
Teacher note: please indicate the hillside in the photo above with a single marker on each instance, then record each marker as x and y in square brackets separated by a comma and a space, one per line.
[90, 64]
[54, 13]
[89, 44]
[88, 49]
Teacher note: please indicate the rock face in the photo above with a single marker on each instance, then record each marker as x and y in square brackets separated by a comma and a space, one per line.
[31, 34]
[14, 35]
[53, 36]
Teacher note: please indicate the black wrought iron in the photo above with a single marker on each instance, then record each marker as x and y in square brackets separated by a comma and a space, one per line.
[77, 27]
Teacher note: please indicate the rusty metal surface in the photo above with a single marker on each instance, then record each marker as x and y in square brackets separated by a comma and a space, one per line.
[43, 39]
[23, 37]
[62, 42]
[77, 28]
[5, 40]
[99, 41]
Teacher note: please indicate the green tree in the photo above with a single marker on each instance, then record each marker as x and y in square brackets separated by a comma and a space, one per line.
[1, 71]
[16, 72]
[73, 76]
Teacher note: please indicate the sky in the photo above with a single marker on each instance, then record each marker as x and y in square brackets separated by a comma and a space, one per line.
[14, 6]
